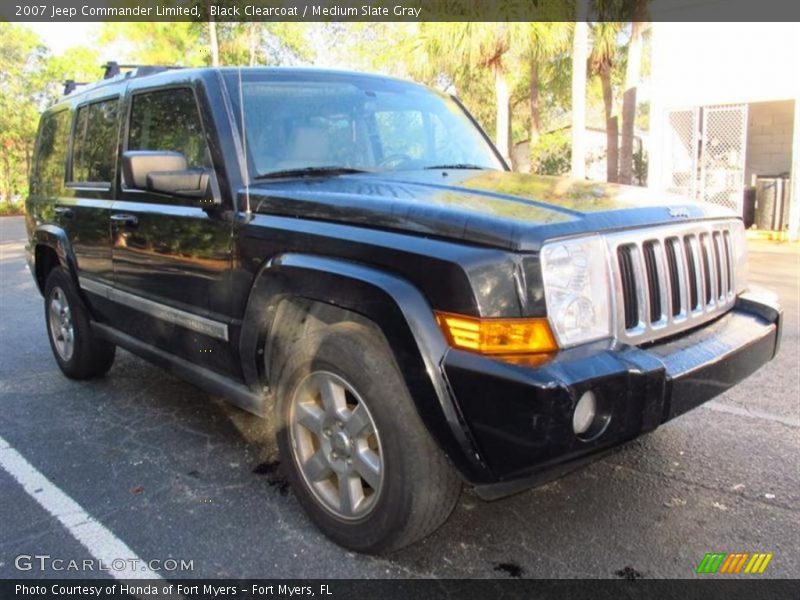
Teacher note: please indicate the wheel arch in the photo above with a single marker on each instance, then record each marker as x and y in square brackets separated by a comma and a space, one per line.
[51, 248]
[393, 305]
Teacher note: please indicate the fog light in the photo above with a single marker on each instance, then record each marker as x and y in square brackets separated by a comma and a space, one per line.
[585, 413]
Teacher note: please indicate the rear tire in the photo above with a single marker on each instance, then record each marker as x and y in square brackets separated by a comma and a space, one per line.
[79, 353]
[356, 452]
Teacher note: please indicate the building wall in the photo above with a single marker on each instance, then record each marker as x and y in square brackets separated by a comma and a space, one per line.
[702, 64]
[769, 138]
[697, 64]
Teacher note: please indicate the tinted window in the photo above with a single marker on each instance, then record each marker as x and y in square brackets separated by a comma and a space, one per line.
[168, 120]
[52, 151]
[363, 123]
[94, 148]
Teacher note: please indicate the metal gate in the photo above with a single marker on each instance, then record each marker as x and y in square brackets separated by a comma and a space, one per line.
[722, 155]
[705, 153]
[681, 151]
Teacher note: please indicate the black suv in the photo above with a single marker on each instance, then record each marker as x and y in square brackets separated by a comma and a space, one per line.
[349, 257]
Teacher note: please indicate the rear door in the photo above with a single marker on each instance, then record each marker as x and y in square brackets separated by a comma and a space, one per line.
[172, 258]
[83, 210]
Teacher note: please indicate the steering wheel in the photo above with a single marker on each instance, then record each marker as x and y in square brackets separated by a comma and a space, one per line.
[394, 160]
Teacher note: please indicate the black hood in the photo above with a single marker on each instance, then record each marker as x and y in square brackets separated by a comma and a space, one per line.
[496, 208]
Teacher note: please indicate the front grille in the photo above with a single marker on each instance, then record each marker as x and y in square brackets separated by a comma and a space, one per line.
[671, 278]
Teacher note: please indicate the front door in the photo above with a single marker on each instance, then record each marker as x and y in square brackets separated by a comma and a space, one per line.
[171, 258]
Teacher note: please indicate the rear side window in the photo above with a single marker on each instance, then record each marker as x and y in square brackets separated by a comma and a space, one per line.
[51, 158]
[168, 120]
[94, 146]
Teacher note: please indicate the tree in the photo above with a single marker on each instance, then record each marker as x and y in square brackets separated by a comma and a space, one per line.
[632, 75]
[602, 61]
[462, 48]
[21, 60]
[213, 43]
[580, 40]
[545, 40]
[158, 43]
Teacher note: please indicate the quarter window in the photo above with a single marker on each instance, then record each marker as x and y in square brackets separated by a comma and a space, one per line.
[168, 120]
[94, 146]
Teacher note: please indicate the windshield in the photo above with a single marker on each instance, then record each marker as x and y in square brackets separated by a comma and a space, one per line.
[313, 123]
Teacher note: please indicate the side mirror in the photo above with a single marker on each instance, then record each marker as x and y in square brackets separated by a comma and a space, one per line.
[188, 183]
[167, 173]
[138, 164]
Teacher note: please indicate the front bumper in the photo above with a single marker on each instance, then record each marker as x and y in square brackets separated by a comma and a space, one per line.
[520, 418]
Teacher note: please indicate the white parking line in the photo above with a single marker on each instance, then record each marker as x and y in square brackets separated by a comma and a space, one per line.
[752, 413]
[99, 541]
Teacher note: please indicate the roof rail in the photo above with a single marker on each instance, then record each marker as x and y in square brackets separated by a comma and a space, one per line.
[113, 68]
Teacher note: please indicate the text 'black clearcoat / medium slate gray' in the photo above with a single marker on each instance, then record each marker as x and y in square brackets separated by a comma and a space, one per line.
[350, 258]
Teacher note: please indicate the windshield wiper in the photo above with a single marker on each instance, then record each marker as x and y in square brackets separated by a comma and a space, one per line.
[309, 172]
[458, 166]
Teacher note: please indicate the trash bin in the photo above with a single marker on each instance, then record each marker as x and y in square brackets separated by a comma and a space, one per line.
[772, 203]
[749, 207]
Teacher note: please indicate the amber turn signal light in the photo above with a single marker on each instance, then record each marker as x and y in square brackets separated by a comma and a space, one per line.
[497, 336]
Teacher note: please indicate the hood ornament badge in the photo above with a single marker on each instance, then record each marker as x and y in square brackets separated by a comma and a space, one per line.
[679, 213]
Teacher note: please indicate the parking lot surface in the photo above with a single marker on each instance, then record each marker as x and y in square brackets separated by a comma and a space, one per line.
[171, 473]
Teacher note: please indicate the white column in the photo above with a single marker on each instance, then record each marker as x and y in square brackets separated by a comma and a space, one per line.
[794, 193]
[655, 150]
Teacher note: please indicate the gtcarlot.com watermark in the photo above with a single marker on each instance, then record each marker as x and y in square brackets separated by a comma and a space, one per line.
[46, 562]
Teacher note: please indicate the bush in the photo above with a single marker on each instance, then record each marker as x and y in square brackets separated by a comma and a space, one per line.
[552, 154]
[8, 209]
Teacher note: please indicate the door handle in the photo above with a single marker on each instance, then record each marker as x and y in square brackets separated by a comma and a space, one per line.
[63, 211]
[125, 220]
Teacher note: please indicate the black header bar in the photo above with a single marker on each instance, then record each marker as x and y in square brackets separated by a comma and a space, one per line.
[391, 10]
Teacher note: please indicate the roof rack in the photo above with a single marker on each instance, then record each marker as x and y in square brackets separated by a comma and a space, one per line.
[70, 85]
[113, 68]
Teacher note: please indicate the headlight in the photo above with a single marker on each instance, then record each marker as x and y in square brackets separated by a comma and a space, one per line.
[739, 242]
[577, 289]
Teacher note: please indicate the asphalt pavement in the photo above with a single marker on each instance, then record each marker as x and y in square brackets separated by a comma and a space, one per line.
[175, 474]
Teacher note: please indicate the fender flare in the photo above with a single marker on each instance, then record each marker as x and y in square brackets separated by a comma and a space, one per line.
[56, 238]
[398, 309]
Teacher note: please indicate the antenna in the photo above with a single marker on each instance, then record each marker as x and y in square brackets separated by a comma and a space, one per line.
[247, 212]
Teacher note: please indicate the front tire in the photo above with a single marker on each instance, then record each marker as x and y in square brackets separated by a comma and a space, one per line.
[79, 354]
[357, 454]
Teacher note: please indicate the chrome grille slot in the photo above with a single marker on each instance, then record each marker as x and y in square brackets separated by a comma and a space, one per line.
[695, 282]
[630, 303]
[677, 282]
[671, 278]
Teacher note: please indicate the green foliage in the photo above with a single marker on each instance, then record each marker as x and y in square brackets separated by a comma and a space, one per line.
[188, 44]
[552, 153]
[157, 43]
[641, 162]
[11, 209]
[21, 60]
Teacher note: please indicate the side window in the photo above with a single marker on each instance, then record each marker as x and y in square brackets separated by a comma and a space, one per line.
[51, 158]
[95, 143]
[168, 120]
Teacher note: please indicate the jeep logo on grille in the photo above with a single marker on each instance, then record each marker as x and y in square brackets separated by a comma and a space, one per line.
[679, 213]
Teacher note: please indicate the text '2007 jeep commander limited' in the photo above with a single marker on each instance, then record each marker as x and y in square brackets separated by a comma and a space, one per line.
[349, 257]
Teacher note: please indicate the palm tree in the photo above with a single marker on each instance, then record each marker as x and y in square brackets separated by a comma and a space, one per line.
[449, 47]
[545, 40]
[632, 74]
[602, 61]
[213, 42]
[580, 40]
